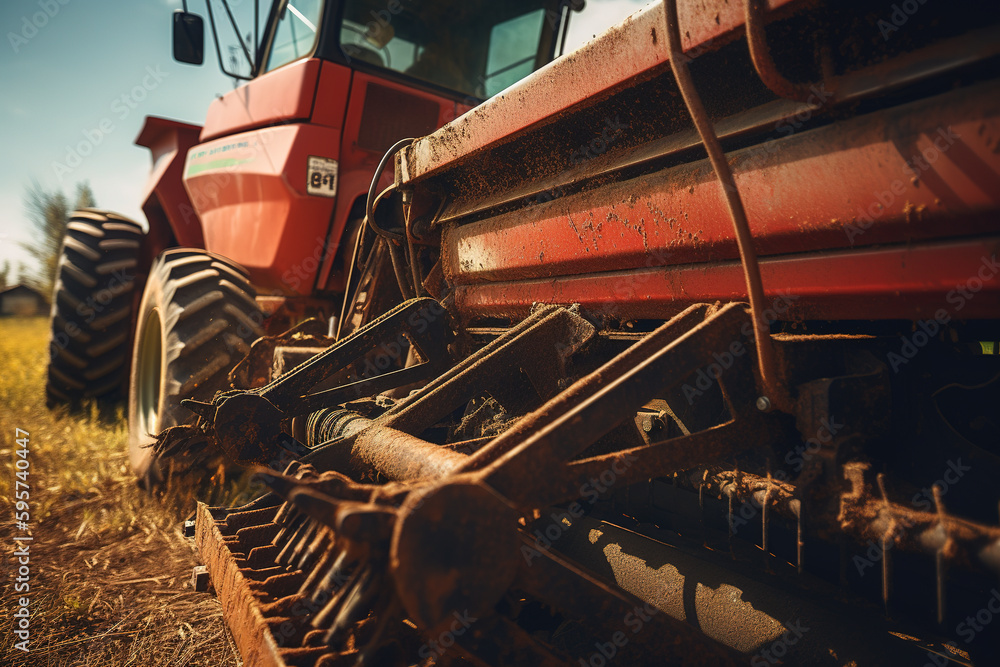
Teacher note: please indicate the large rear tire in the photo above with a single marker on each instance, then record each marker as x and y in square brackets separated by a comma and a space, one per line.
[92, 305]
[197, 319]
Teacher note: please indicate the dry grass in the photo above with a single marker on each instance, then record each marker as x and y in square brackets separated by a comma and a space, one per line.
[110, 570]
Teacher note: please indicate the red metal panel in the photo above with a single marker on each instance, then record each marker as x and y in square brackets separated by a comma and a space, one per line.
[358, 164]
[250, 191]
[621, 54]
[919, 171]
[169, 141]
[285, 94]
[331, 95]
[961, 279]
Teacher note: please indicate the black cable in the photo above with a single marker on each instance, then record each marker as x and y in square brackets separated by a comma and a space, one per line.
[370, 203]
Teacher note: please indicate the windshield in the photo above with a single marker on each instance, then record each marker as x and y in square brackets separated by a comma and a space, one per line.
[472, 46]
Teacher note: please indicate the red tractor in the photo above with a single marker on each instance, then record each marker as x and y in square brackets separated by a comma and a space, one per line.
[679, 350]
[255, 215]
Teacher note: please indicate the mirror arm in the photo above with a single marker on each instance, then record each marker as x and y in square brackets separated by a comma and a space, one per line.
[236, 29]
[218, 51]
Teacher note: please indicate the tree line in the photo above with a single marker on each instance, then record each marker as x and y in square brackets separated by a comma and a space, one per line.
[48, 212]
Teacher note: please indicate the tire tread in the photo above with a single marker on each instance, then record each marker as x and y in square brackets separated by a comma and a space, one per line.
[92, 308]
[209, 315]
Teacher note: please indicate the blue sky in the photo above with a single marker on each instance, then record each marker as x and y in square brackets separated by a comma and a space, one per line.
[69, 68]
[68, 79]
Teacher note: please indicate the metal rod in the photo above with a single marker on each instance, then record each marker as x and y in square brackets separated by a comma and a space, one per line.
[236, 29]
[888, 541]
[796, 506]
[744, 240]
[939, 555]
[760, 54]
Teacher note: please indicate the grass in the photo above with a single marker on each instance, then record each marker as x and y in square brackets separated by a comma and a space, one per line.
[110, 569]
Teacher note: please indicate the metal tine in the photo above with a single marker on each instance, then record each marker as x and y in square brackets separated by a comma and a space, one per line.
[765, 519]
[888, 541]
[729, 496]
[939, 556]
[796, 506]
[284, 556]
[306, 497]
[281, 516]
[701, 507]
[355, 607]
[319, 544]
[332, 608]
[294, 470]
[286, 507]
[328, 581]
[330, 558]
[732, 493]
[289, 528]
[302, 544]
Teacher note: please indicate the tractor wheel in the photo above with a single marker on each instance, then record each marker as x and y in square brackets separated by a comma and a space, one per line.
[197, 319]
[92, 306]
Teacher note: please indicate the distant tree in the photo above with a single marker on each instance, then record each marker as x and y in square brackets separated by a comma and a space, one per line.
[48, 213]
[5, 274]
[84, 196]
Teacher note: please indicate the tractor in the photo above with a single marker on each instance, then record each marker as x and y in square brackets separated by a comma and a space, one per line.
[253, 218]
[680, 349]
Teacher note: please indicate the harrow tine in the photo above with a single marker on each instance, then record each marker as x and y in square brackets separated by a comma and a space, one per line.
[316, 547]
[283, 513]
[940, 555]
[329, 580]
[291, 525]
[303, 543]
[330, 558]
[356, 605]
[305, 528]
[326, 615]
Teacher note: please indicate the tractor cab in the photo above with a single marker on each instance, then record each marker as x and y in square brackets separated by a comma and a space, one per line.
[472, 48]
[281, 168]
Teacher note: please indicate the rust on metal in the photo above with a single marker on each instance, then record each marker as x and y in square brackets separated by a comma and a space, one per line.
[574, 444]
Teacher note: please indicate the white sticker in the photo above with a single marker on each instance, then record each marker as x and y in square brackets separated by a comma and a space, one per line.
[321, 177]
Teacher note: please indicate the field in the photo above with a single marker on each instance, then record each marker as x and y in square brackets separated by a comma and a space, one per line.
[109, 567]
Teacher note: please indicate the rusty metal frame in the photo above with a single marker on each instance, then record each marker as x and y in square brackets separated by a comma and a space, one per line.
[247, 422]
[445, 503]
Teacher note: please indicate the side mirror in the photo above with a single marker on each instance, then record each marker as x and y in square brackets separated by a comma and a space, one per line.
[189, 38]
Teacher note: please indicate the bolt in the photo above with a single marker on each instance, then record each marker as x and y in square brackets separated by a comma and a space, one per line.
[647, 423]
[763, 403]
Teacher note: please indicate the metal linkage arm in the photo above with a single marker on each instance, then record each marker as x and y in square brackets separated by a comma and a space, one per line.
[247, 423]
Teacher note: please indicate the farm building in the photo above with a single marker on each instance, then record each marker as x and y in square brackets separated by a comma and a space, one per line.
[22, 300]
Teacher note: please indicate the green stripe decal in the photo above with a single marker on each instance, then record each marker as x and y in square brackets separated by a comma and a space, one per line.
[216, 164]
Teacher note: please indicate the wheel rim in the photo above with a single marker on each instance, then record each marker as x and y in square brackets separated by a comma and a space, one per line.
[148, 382]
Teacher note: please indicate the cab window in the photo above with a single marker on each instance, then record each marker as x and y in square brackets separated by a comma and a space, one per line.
[295, 32]
[475, 47]
[513, 47]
